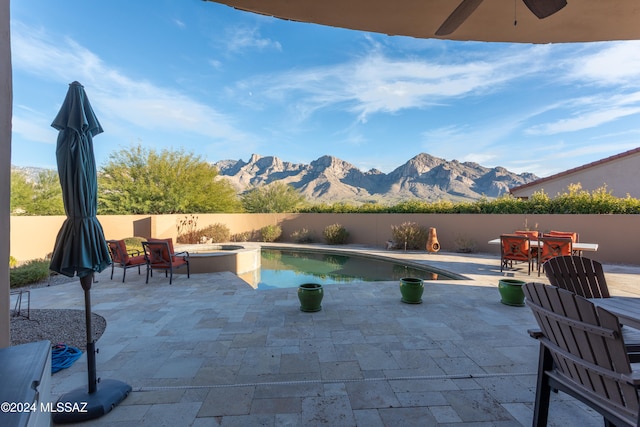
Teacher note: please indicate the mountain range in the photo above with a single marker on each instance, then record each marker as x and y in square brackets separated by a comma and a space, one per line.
[329, 179]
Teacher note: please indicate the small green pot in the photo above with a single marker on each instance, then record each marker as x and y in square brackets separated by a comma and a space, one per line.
[411, 289]
[511, 292]
[310, 296]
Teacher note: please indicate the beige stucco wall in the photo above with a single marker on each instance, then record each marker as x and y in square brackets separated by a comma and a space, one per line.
[617, 235]
[619, 175]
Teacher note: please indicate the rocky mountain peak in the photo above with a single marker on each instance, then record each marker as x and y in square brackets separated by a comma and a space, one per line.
[330, 179]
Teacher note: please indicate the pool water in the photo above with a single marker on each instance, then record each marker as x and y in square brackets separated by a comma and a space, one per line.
[288, 269]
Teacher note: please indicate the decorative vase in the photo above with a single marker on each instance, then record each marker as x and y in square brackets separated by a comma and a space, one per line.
[511, 292]
[310, 296]
[411, 289]
[432, 241]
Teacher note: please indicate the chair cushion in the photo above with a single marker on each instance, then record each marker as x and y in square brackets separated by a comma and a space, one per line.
[533, 234]
[515, 248]
[120, 252]
[179, 261]
[135, 260]
[170, 242]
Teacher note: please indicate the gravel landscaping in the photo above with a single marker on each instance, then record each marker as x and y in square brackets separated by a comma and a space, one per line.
[57, 326]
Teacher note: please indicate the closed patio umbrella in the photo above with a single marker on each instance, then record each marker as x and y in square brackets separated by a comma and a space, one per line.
[80, 248]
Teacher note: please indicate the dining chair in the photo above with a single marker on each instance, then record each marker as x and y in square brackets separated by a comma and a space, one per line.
[549, 247]
[533, 236]
[124, 258]
[159, 255]
[515, 247]
[570, 234]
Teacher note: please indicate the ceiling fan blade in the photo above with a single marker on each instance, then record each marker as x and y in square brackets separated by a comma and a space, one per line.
[544, 8]
[458, 16]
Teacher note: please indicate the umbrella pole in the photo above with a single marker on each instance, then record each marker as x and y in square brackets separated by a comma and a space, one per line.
[85, 282]
[82, 404]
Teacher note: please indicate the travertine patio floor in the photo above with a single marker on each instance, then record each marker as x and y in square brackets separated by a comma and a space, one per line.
[210, 350]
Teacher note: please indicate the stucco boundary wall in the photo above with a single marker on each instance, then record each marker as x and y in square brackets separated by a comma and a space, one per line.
[617, 235]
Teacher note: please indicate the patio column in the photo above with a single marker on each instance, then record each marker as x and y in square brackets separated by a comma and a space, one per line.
[5, 169]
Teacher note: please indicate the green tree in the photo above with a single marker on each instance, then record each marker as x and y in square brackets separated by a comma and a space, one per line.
[275, 197]
[143, 181]
[40, 197]
[22, 194]
[48, 194]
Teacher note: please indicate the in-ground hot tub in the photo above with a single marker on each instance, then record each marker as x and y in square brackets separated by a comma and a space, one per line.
[243, 260]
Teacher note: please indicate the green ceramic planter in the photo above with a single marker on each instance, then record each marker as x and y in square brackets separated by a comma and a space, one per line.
[310, 296]
[411, 289]
[511, 292]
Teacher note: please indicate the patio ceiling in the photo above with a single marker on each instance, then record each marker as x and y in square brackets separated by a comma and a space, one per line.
[492, 21]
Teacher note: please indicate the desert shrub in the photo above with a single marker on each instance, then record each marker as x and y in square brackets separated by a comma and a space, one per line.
[302, 236]
[12, 262]
[217, 233]
[30, 272]
[409, 235]
[188, 230]
[335, 234]
[245, 236]
[464, 244]
[270, 233]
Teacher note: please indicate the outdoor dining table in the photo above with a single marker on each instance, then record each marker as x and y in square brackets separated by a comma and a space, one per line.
[627, 309]
[578, 246]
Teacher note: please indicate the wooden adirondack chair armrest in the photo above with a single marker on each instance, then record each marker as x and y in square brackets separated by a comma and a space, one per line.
[633, 378]
[535, 333]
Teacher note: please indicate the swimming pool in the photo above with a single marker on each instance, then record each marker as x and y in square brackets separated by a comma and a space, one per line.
[284, 268]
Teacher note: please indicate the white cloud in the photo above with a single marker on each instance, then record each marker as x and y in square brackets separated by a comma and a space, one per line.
[590, 112]
[616, 63]
[377, 83]
[241, 38]
[112, 93]
[32, 126]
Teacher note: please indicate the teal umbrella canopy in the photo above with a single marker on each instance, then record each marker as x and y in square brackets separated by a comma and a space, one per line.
[80, 248]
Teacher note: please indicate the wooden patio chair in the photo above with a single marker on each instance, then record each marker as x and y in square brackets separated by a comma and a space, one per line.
[582, 276]
[123, 258]
[515, 247]
[582, 353]
[549, 247]
[585, 277]
[160, 256]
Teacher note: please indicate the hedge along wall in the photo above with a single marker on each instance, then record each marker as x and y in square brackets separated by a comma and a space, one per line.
[617, 235]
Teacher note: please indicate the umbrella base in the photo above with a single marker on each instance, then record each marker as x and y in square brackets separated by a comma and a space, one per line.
[78, 405]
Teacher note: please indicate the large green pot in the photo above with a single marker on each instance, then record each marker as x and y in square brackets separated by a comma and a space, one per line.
[411, 289]
[511, 292]
[310, 296]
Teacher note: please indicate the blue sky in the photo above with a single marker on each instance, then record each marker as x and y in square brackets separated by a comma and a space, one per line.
[224, 84]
